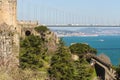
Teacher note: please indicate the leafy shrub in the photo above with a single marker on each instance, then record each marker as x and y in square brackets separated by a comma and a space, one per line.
[41, 28]
[31, 52]
[80, 48]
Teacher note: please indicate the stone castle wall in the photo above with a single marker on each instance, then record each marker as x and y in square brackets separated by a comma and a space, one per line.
[26, 26]
[11, 30]
[8, 55]
[9, 38]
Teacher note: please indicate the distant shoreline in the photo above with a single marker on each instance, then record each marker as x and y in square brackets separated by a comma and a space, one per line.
[86, 35]
[107, 44]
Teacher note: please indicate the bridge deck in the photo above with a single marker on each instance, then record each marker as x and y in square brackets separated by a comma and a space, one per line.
[68, 25]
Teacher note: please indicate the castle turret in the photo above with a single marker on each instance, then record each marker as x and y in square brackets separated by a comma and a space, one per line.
[8, 12]
[9, 37]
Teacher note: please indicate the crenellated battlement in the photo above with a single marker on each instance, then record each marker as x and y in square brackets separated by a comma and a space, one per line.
[27, 23]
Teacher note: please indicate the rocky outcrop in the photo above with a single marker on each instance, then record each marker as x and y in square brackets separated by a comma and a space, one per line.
[52, 41]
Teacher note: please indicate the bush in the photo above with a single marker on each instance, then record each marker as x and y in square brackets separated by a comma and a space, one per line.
[31, 52]
[41, 28]
[64, 68]
[81, 49]
[118, 72]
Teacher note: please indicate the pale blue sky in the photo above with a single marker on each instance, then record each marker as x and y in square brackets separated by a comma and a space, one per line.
[82, 11]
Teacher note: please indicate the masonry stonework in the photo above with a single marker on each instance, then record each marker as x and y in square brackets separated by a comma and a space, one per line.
[8, 12]
[11, 30]
[8, 53]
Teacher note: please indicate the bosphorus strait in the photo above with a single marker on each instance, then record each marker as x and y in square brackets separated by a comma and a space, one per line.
[109, 45]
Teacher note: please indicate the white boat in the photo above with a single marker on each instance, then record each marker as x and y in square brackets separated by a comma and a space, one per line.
[101, 40]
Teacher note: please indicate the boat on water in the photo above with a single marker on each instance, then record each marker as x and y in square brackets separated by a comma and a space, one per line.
[101, 40]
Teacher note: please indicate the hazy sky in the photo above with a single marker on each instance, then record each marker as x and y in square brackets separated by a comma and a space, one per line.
[59, 11]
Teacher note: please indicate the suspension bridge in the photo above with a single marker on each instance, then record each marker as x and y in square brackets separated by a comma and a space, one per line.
[29, 10]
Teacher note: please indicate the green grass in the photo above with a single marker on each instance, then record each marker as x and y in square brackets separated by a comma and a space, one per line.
[93, 75]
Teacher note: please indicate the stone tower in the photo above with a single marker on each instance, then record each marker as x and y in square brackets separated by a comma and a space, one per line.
[8, 12]
[9, 37]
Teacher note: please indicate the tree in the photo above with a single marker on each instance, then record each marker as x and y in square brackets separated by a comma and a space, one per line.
[118, 72]
[81, 49]
[62, 67]
[31, 52]
[41, 29]
[83, 70]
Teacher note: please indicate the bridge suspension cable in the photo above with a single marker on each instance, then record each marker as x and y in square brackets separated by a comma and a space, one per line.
[31, 10]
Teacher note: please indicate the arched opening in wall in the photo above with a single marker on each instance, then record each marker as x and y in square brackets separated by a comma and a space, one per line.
[100, 71]
[27, 33]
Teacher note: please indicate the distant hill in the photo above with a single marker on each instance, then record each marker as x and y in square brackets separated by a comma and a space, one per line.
[89, 30]
[102, 30]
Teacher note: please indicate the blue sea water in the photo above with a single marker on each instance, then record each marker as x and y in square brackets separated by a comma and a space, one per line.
[109, 45]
